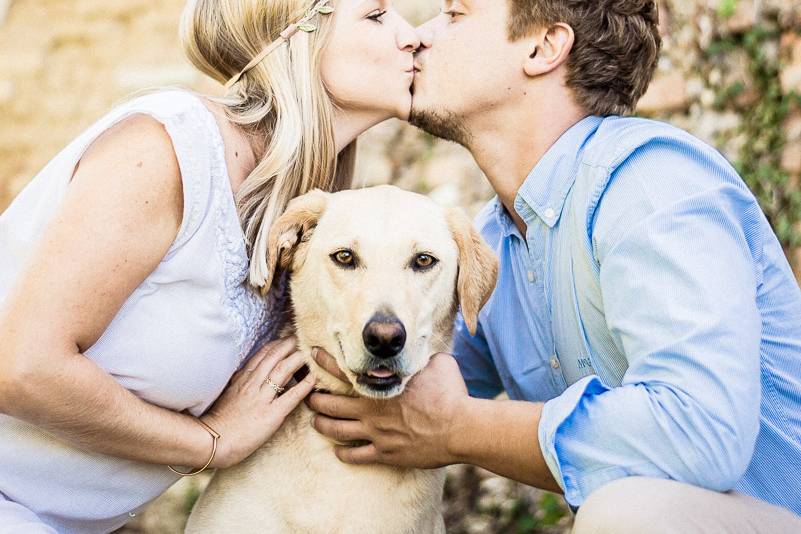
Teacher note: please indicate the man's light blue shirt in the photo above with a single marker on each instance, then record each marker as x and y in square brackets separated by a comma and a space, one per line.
[651, 305]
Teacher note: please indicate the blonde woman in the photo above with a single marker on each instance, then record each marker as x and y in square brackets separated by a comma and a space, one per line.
[131, 265]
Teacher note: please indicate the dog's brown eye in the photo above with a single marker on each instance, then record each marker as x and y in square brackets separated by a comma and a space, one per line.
[344, 258]
[423, 262]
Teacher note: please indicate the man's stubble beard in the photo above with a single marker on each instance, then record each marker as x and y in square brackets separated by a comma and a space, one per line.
[441, 123]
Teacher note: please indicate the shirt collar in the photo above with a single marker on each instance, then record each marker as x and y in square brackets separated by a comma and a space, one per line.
[544, 190]
[505, 222]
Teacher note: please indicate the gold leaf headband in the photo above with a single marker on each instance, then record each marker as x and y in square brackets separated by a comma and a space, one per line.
[303, 24]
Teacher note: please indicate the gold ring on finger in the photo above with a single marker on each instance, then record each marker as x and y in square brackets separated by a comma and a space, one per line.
[278, 389]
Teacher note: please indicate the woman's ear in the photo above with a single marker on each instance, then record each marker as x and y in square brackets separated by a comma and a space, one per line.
[550, 48]
[478, 268]
[293, 226]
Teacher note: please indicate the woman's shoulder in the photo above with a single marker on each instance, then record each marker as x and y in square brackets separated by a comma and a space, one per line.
[175, 132]
[166, 102]
[139, 153]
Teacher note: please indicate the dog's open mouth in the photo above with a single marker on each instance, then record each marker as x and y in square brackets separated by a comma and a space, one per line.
[379, 379]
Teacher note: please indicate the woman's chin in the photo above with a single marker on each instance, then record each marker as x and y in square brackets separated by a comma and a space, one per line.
[404, 108]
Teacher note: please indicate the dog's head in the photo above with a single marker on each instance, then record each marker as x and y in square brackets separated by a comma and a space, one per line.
[375, 278]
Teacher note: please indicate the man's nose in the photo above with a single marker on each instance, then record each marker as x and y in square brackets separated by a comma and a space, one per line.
[425, 32]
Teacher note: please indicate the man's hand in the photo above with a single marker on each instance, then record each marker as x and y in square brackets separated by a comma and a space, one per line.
[435, 423]
[414, 429]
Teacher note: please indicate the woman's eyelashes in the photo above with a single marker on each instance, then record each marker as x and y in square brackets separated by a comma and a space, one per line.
[377, 16]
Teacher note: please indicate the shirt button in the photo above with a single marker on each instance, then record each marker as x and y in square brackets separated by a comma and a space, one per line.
[549, 213]
[531, 276]
[554, 362]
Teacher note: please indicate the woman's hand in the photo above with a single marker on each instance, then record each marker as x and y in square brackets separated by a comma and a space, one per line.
[250, 410]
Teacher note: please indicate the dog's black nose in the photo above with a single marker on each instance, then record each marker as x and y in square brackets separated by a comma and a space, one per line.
[384, 335]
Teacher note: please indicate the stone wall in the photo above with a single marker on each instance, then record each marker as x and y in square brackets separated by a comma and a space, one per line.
[63, 63]
[731, 74]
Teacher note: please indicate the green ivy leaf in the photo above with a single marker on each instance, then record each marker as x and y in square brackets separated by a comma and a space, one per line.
[325, 10]
[306, 27]
[727, 8]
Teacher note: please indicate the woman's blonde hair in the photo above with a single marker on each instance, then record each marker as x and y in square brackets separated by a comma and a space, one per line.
[282, 100]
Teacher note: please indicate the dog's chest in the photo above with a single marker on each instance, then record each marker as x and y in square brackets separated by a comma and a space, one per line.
[348, 495]
[295, 482]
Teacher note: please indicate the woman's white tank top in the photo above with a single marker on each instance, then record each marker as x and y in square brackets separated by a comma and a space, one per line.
[176, 340]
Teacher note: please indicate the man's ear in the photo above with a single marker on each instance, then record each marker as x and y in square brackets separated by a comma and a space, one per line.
[550, 48]
[478, 268]
[293, 226]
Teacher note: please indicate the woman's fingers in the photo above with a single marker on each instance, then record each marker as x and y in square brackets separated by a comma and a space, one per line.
[293, 396]
[271, 352]
[281, 373]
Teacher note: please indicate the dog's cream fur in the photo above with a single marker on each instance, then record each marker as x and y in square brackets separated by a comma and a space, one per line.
[294, 482]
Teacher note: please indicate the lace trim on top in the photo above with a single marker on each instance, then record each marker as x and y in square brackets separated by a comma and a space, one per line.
[257, 319]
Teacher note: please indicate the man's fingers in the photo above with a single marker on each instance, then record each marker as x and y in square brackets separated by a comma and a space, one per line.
[274, 351]
[366, 454]
[328, 363]
[339, 430]
[443, 358]
[336, 406]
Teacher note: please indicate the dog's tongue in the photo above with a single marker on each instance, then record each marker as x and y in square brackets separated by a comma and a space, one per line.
[381, 373]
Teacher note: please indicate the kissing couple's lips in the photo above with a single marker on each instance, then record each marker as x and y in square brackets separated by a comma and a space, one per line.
[415, 68]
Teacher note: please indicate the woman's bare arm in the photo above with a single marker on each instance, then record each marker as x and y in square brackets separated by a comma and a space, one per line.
[119, 217]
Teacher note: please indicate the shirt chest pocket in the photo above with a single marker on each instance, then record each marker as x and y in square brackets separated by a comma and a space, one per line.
[581, 336]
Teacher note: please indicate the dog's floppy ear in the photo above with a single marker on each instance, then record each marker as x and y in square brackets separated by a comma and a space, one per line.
[294, 225]
[478, 268]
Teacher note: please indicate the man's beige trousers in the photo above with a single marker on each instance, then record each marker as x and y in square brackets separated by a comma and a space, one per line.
[653, 506]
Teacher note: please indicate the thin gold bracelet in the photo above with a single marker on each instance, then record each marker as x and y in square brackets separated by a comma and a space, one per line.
[214, 435]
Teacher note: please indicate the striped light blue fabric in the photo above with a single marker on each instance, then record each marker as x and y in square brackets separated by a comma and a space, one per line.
[650, 305]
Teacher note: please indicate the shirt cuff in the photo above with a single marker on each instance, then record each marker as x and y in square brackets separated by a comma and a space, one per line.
[556, 414]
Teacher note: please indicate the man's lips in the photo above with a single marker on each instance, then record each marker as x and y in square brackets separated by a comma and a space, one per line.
[414, 69]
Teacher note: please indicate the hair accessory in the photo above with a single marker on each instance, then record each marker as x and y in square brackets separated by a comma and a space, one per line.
[303, 24]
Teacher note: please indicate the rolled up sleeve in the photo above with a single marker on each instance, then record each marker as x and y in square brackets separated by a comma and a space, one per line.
[679, 292]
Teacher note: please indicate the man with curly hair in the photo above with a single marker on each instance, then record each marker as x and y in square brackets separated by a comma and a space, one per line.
[646, 324]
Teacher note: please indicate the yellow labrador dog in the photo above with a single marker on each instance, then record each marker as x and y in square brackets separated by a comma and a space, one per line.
[376, 276]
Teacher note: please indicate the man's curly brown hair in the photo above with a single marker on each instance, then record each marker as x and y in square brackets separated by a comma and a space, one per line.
[615, 52]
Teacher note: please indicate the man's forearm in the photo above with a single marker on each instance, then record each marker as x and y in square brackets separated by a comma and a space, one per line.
[501, 436]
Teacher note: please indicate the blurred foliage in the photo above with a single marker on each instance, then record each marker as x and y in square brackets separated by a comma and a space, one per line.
[478, 502]
[759, 162]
